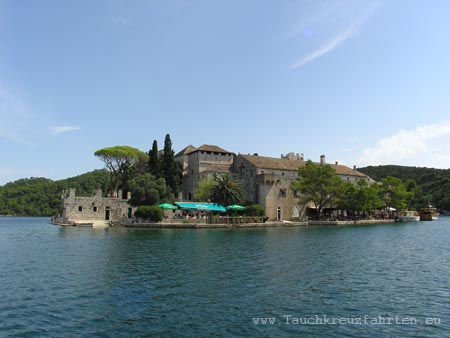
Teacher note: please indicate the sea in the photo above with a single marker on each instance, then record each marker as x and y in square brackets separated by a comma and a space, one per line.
[386, 280]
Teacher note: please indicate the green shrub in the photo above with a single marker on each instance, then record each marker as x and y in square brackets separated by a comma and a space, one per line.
[254, 210]
[152, 213]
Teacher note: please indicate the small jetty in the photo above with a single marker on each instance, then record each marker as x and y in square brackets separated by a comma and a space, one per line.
[74, 224]
[80, 223]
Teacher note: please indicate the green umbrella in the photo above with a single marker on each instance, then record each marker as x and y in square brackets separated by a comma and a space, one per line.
[168, 206]
[235, 207]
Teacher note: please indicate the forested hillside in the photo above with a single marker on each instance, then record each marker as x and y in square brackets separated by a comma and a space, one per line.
[151, 177]
[42, 197]
[433, 184]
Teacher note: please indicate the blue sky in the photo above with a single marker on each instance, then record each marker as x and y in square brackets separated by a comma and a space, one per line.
[363, 82]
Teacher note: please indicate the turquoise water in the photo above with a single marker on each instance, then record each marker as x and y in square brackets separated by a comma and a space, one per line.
[83, 282]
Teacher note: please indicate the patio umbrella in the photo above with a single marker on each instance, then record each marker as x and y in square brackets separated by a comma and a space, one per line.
[168, 206]
[201, 206]
[235, 207]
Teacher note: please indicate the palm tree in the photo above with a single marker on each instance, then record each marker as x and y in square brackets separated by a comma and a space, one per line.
[226, 190]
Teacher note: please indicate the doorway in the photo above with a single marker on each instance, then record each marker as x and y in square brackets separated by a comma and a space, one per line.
[107, 213]
[279, 214]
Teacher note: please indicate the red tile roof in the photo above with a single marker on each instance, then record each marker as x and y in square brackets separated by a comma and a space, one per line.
[262, 162]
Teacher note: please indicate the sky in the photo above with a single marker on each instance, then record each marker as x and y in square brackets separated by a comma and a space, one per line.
[362, 82]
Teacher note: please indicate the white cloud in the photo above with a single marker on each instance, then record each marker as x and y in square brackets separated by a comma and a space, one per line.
[326, 48]
[419, 147]
[319, 12]
[353, 25]
[56, 130]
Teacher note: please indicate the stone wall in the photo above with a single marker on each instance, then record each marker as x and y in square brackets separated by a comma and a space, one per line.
[95, 208]
[278, 196]
[196, 162]
[269, 188]
[247, 175]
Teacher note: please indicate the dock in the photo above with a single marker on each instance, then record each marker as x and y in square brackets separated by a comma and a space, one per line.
[172, 225]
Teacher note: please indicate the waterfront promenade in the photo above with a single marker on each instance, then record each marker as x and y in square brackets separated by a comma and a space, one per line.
[204, 225]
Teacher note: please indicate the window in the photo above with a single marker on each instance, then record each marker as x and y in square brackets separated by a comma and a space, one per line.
[283, 193]
[94, 209]
[295, 193]
[80, 208]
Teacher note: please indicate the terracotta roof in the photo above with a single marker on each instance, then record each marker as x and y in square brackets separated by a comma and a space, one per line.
[186, 150]
[344, 170]
[211, 148]
[272, 162]
[262, 162]
[217, 168]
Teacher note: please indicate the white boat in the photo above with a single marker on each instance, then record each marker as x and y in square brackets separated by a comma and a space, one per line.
[409, 216]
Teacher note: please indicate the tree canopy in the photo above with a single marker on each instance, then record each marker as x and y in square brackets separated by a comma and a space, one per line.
[204, 189]
[42, 196]
[148, 190]
[151, 213]
[127, 169]
[226, 190]
[318, 184]
[393, 193]
[322, 186]
[119, 161]
[431, 185]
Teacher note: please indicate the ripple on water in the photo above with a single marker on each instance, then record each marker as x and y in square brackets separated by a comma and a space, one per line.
[122, 282]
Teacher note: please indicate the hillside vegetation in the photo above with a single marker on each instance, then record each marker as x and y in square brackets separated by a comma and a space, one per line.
[42, 196]
[433, 184]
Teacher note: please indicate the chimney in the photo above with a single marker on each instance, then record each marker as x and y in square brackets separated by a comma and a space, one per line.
[302, 157]
[336, 162]
[354, 167]
[322, 159]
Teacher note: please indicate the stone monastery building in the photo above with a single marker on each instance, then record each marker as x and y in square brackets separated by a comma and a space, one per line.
[265, 180]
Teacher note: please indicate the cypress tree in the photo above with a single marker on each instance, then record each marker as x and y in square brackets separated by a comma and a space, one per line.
[170, 170]
[154, 165]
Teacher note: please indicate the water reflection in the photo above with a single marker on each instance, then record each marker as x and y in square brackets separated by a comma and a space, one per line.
[184, 282]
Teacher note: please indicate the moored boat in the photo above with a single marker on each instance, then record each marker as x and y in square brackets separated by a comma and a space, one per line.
[409, 216]
[429, 214]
